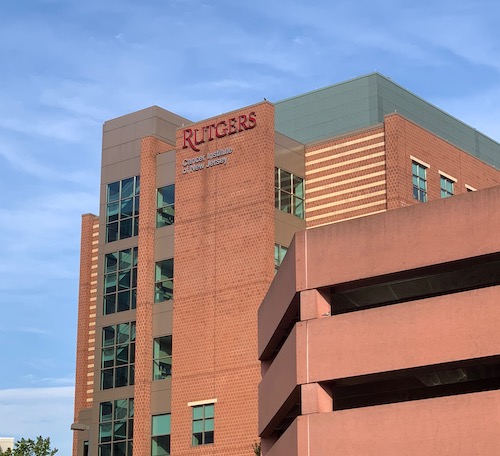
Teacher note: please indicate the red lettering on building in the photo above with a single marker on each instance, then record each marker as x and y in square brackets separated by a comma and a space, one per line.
[194, 137]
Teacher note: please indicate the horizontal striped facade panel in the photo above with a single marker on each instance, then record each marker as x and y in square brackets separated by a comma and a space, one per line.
[346, 192]
[341, 144]
[334, 215]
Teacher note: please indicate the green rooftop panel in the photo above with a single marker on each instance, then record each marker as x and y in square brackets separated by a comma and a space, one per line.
[363, 102]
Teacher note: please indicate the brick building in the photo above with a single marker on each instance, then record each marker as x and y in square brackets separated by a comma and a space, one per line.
[167, 355]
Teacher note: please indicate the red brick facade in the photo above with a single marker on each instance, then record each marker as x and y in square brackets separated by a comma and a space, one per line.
[224, 237]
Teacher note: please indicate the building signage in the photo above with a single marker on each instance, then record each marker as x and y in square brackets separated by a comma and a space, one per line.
[194, 137]
[219, 157]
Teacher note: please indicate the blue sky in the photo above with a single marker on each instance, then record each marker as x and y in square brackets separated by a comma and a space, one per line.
[68, 66]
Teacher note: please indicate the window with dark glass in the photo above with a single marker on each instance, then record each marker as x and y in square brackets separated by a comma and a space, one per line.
[122, 209]
[164, 280]
[165, 206]
[118, 355]
[120, 281]
[288, 192]
[162, 357]
[203, 424]
[446, 187]
[160, 435]
[116, 427]
[419, 181]
[279, 254]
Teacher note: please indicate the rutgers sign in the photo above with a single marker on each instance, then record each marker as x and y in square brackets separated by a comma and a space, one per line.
[194, 137]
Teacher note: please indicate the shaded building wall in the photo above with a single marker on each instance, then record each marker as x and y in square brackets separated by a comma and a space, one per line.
[224, 238]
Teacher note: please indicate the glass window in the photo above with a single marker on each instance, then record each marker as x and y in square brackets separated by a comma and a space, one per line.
[160, 435]
[122, 209]
[203, 424]
[116, 424]
[279, 254]
[162, 357]
[164, 280]
[120, 281]
[419, 181]
[118, 356]
[165, 206]
[288, 192]
[446, 187]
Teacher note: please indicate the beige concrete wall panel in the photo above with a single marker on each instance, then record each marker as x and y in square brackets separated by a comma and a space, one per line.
[164, 243]
[462, 425]
[429, 331]
[123, 152]
[162, 318]
[289, 154]
[224, 236]
[161, 396]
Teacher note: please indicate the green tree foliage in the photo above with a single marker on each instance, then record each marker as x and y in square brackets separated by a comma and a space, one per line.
[29, 447]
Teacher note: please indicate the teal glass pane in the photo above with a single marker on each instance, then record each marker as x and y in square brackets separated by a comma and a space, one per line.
[108, 357]
[123, 334]
[120, 431]
[125, 259]
[197, 439]
[121, 409]
[160, 446]
[283, 251]
[276, 255]
[164, 270]
[105, 411]
[105, 450]
[197, 426]
[126, 228]
[112, 232]
[124, 280]
[121, 355]
[209, 411]
[276, 177]
[126, 208]
[198, 412]
[298, 187]
[121, 377]
[105, 432]
[112, 212]
[108, 335]
[209, 424]
[113, 192]
[110, 262]
[286, 181]
[165, 196]
[161, 424]
[137, 184]
[127, 188]
[131, 408]
[109, 304]
[136, 205]
[132, 330]
[107, 379]
[110, 283]
[123, 301]
[135, 256]
[120, 448]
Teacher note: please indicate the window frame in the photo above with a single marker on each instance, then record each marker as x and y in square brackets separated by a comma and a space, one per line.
[156, 435]
[289, 198]
[164, 286]
[419, 182]
[203, 424]
[165, 212]
[114, 424]
[122, 209]
[158, 359]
